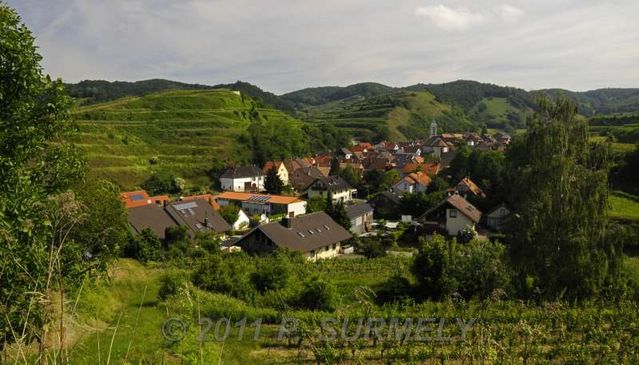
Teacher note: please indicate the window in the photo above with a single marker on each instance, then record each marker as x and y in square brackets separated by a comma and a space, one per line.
[453, 213]
[334, 246]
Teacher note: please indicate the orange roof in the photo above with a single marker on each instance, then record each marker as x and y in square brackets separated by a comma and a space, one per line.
[471, 186]
[418, 159]
[431, 168]
[140, 198]
[270, 164]
[275, 199]
[418, 178]
[410, 167]
[208, 197]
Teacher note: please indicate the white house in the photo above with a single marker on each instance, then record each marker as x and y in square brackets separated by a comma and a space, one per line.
[415, 182]
[243, 179]
[280, 168]
[333, 186]
[452, 215]
[243, 221]
[496, 218]
[263, 204]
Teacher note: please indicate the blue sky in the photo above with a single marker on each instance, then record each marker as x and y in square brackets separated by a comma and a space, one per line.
[284, 45]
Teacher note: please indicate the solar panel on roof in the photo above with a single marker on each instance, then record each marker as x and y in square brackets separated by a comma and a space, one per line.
[137, 197]
[184, 206]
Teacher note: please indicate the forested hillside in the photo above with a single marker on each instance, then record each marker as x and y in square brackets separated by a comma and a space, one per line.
[189, 133]
[399, 115]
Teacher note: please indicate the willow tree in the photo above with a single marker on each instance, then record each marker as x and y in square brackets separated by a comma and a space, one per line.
[562, 242]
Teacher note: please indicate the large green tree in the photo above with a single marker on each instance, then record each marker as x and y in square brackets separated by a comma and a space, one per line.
[562, 241]
[50, 236]
[273, 183]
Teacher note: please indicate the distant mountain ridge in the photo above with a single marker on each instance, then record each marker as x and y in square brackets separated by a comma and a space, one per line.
[488, 105]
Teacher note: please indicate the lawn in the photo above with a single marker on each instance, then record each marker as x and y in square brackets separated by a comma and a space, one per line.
[624, 207]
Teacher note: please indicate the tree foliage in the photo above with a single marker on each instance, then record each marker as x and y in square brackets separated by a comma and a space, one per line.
[561, 238]
[272, 183]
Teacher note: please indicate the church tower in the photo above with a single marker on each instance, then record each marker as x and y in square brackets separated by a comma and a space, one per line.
[433, 128]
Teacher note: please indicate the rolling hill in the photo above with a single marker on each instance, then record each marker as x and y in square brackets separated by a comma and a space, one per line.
[398, 115]
[186, 132]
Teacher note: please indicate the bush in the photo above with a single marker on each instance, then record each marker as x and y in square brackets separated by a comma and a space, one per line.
[272, 274]
[396, 289]
[371, 247]
[475, 269]
[145, 247]
[229, 274]
[317, 294]
[171, 283]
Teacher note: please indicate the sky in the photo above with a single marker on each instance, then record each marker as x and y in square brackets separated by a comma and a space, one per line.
[285, 45]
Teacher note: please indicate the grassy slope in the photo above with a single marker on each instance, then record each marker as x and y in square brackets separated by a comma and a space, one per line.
[405, 114]
[498, 112]
[183, 130]
[624, 208]
[141, 336]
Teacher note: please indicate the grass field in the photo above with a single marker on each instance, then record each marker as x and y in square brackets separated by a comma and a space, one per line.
[624, 207]
[122, 322]
[497, 113]
[128, 139]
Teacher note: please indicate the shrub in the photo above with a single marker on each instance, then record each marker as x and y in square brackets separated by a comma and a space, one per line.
[475, 269]
[317, 294]
[171, 283]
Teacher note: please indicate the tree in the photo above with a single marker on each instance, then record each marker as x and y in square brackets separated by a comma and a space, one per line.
[334, 170]
[163, 182]
[273, 184]
[315, 204]
[352, 176]
[230, 213]
[38, 214]
[562, 238]
[338, 213]
[318, 294]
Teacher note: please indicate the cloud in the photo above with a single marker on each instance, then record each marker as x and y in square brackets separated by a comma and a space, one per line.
[284, 45]
[462, 18]
[508, 13]
[450, 18]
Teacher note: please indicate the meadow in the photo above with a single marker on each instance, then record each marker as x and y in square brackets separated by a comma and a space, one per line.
[121, 321]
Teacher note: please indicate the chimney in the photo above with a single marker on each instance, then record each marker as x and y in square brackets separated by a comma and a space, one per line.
[206, 219]
[286, 222]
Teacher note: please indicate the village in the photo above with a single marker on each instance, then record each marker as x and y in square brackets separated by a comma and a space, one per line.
[291, 220]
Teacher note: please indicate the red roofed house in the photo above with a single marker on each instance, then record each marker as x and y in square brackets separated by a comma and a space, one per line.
[452, 215]
[280, 168]
[415, 182]
[466, 186]
[139, 198]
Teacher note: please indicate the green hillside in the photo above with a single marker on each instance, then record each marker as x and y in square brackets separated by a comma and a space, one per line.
[184, 132]
[398, 115]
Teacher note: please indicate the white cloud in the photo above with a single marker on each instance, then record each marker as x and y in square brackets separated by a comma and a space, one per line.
[450, 18]
[508, 13]
[283, 45]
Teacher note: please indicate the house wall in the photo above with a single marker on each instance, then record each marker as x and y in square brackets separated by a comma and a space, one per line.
[283, 174]
[457, 224]
[358, 225]
[242, 221]
[237, 185]
[297, 208]
[326, 252]
[344, 195]
[495, 219]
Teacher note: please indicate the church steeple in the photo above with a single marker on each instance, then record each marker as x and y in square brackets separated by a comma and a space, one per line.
[433, 128]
